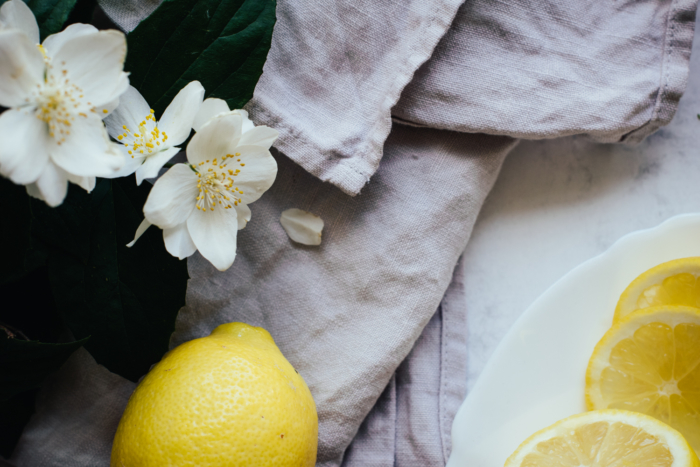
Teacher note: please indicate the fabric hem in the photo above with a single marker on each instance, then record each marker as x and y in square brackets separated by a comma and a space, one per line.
[675, 66]
[351, 174]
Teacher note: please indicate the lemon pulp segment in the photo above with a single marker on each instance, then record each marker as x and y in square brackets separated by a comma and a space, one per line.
[605, 438]
[675, 282]
[650, 363]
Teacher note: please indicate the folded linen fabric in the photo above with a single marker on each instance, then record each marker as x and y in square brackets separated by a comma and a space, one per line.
[549, 68]
[348, 313]
[345, 314]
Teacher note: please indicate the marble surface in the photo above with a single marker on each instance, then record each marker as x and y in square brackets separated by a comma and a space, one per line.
[558, 203]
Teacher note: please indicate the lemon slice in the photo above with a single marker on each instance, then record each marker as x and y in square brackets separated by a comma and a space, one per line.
[649, 362]
[675, 282]
[605, 438]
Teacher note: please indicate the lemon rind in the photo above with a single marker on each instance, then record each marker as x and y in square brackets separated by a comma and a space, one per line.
[628, 299]
[600, 358]
[683, 454]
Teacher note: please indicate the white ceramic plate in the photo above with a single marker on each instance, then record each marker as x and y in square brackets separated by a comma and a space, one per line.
[537, 374]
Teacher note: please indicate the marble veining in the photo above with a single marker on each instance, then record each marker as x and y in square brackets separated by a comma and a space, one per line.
[560, 202]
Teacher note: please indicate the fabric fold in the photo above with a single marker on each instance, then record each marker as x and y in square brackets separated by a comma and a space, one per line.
[545, 69]
[348, 312]
[410, 425]
[333, 74]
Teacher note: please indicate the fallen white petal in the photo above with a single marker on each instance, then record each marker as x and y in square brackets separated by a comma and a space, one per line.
[143, 226]
[177, 119]
[16, 14]
[302, 226]
[178, 241]
[209, 109]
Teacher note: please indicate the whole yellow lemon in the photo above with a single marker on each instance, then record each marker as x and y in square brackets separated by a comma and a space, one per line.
[228, 399]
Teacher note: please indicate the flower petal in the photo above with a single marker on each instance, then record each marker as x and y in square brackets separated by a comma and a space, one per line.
[247, 124]
[87, 151]
[108, 108]
[24, 151]
[259, 136]
[177, 119]
[143, 226]
[257, 172]
[172, 198]
[214, 232]
[154, 163]
[33, 191]
[178, 241]
[86, 183]
[22, 68]
[15, 14]
[54, 42]
[131, 111]
[53, 184]
[243, 212]
[131, 163]
[94, 62]
[209, 109]
[218, 137]
[302, 226]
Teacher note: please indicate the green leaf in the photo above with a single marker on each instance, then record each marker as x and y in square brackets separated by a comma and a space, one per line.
[24, 253]
[221, 43]
[25, 364]
[14, 414]
[50, 14]
[126, 299]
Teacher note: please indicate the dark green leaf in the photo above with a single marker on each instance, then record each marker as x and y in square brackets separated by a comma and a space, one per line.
[25, 364]
[50, 14]
[125, 298]
[14, 414]
[221, 43]
[23, 253]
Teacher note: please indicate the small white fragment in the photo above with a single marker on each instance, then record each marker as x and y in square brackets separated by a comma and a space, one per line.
[302, 227]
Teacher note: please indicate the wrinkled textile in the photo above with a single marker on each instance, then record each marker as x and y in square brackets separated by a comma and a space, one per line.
[411, 422]
[535, 69]
[357, 315]
[338, 69]
[345, 314]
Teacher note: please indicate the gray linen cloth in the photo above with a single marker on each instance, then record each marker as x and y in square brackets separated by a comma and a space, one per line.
[349, 313]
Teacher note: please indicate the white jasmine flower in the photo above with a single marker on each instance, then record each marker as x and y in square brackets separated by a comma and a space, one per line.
[202, 205]
[15, 14]
[254, 135]
[57, 94]
[146, 143]
[302, 226]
